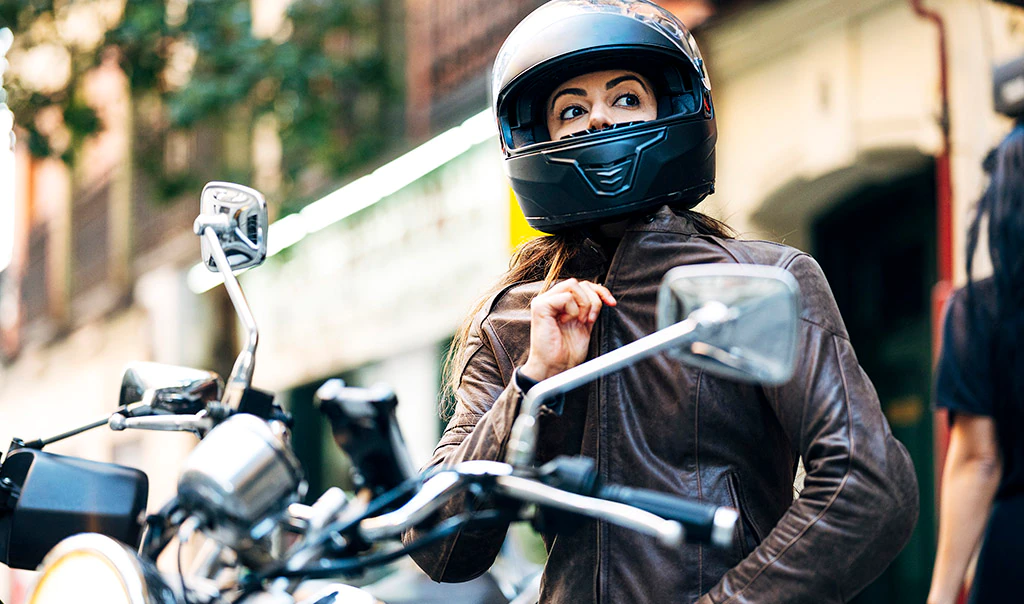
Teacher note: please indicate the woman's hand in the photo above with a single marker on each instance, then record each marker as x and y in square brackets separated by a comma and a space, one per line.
[561, 320]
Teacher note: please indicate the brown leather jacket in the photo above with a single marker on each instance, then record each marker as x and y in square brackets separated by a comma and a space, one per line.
[665, 426]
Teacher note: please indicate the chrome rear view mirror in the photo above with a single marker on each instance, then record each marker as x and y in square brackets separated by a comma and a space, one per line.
[746, 319]
[232, 225]
[238, 215]
[169, 388]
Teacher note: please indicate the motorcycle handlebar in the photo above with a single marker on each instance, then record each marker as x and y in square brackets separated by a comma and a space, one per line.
[434, 493]
[669, 532]
[669, 518]
[199, 423]
[704, 523]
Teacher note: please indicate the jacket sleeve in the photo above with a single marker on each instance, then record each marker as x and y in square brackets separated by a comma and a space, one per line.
[860, 498]
[479, 430]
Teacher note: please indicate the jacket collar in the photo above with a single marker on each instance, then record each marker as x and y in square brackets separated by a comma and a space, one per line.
[663, 220]
[593, 258]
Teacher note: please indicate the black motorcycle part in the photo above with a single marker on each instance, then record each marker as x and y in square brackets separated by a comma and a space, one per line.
[50, 497]
[160, 529]
[356, 565]
[574, 474]
[257, 402]
[365, 427]
[579, 475]
[698, 519]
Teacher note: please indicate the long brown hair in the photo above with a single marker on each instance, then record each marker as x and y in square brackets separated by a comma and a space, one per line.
[541, 259]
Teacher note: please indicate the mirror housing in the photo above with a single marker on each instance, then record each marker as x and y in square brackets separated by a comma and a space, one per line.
[746, 319]
[238, 215]
[47, 497]
[169, 388]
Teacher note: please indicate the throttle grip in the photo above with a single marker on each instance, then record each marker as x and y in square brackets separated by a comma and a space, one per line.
[704, 523]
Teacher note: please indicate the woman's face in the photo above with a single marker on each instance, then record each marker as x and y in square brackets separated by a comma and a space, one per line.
[598, 100]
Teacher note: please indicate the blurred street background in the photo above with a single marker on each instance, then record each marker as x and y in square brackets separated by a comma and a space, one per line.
[852, 129]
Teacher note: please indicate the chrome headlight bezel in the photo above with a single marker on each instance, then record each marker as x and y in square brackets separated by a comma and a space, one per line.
[139, 580]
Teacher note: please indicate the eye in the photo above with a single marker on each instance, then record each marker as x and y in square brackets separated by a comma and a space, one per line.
[628, 100]
[571, 112]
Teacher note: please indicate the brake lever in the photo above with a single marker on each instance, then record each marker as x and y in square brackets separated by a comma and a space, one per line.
[198, 424]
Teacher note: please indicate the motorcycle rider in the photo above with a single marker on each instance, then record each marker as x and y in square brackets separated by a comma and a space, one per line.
[608, 130]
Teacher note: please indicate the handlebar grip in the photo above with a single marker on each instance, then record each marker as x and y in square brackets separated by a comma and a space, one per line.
[704, 523]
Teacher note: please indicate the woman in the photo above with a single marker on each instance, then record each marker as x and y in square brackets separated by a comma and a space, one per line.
[607, 125]
[980, 380]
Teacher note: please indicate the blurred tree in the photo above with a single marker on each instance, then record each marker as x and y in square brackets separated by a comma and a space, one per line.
[323, 76]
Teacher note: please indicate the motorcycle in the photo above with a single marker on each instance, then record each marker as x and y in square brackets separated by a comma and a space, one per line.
[237, 505]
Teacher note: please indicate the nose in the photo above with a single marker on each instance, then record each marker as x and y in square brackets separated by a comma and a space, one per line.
[600, 118]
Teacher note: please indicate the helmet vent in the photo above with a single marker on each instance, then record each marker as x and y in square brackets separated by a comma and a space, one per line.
[608, 179]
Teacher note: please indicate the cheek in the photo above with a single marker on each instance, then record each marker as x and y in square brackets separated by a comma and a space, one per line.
[649, 112]
[644, 113]
[554, 128]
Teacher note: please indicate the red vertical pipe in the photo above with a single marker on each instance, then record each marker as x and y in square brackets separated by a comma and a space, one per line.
[943, 172]
[944, 219]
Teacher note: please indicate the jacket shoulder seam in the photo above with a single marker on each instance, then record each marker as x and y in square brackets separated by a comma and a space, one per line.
[827, 330]
[789, 263]
[718, 241]
[494, 338]
[484, 317]
[783, 261]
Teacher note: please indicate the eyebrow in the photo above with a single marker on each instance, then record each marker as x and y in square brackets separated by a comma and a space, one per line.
[564, 91]
[612, 83]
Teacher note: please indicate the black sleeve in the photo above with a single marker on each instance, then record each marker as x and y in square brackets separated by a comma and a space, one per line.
[962, 377]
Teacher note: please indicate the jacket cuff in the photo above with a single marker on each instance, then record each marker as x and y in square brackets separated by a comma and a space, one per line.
[523, 383]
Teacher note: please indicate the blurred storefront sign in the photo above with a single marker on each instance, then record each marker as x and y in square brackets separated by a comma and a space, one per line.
[519, 231]
[450, 47]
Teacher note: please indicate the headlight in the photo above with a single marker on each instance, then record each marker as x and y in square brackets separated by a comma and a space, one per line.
[95, 568]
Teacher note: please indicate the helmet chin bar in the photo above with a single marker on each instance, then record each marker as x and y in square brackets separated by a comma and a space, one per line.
[593, 178]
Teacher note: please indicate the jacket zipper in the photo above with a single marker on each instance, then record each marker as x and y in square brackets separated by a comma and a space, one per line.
[600, 466]
[602, 422]
[598, 385]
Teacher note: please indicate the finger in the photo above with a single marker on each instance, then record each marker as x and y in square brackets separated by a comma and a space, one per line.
[595, 300]
[571, 308]
[562, 306]
[605, 294]
[581, 295]
[562, 286]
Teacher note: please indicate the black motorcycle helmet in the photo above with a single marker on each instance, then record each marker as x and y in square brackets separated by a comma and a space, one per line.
[594, 176]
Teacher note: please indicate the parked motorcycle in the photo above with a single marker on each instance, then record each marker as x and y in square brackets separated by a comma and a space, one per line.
[237, 497]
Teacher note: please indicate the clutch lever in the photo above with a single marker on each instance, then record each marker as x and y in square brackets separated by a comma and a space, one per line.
[199, 423]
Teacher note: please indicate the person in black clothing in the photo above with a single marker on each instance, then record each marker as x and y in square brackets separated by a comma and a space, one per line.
[980, 380]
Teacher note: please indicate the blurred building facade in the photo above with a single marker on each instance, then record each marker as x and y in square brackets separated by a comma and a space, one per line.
[835, 136]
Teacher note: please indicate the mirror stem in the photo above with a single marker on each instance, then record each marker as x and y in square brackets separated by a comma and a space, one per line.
[241, 373]
[523, 441]
[39, 443]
